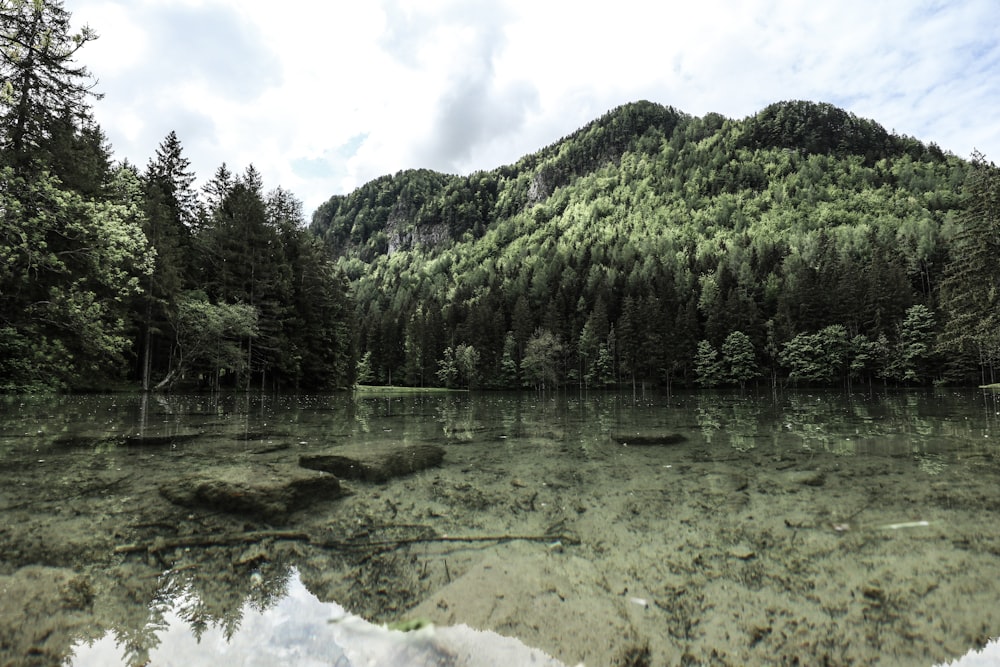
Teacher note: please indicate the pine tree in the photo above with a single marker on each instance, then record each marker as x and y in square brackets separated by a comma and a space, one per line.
[169, 209]
[42, 84]
[970, 292]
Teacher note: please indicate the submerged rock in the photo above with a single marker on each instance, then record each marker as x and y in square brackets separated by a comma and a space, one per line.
[264, 491]
[804, 477]
[375, 463]
[648, 439]
[159, 440]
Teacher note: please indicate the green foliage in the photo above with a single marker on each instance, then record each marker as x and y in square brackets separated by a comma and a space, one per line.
[739, 358]
[818, 357]
[46, 91]
[707, 365]
[102, 269]
[663, 228]
[915, 346]
[447, 373]
[458, 367]
[68, 268]
[824, 129]
[508, 364]
[541, 363]
[364, 372]
[803, 232]
[970, 291]
[209, 338]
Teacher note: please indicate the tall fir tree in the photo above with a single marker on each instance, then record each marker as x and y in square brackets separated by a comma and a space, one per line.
[43, 86]
[970, 292]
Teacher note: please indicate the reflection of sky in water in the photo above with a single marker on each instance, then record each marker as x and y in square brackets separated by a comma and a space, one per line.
[301, 631]
[988, 657]
[295, 631]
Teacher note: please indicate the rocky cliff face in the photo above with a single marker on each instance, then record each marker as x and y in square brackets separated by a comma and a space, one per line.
[406, 235]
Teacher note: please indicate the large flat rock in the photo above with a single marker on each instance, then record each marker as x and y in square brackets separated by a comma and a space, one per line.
[375, 463]
[261, 490]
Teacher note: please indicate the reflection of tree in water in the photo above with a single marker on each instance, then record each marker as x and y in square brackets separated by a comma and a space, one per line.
[738, 419]
[211, 591]
[457, 420]
[709, 417]
[137, 641]
[215, 595]
[905, 423]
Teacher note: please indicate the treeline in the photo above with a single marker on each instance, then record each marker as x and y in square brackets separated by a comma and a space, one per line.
[110, 273]
[802, 244]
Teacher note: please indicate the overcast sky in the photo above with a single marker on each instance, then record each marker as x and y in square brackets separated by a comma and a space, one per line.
[322, 96]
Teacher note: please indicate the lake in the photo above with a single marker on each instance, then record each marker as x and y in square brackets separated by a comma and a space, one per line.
[602, 528]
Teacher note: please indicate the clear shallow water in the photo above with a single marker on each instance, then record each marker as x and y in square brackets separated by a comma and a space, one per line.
[762, 533]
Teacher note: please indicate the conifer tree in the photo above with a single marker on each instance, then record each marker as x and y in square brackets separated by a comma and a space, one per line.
[970, 292]
[42, 84]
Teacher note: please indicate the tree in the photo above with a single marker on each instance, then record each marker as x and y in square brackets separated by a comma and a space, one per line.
[540, 365]
[217, 189]
[970, 292]
[68, 269]
[245, 262]
[78, 154]
[42, 84]
[629, 338]
[864, 356]
[319, 327]
[169, 207]
[413, 347]
[508, 363]
[170, 173]
[447, 373]
[467, 361]
[914, 350]
[364, 372]
[707, 366]
[817, 357]
[208, 339]
[739, 359]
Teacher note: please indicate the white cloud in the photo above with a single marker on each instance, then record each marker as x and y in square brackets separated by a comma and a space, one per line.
[324, 96]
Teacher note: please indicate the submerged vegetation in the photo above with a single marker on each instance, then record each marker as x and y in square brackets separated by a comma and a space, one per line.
[801, 244]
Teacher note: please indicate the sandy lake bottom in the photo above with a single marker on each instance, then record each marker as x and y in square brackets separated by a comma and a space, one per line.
[700, 530]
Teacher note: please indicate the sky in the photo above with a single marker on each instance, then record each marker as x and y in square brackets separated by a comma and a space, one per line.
[323, 96]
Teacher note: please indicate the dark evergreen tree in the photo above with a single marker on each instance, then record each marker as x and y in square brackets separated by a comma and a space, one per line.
[169, 207]
[970, 292]
[44, 88]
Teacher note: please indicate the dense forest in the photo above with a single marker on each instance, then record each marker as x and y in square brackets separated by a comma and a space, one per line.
[802, 244]
[110, 274]
[799, 245]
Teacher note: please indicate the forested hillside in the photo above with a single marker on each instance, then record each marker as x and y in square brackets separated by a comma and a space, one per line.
[113, 274]
[801, 244]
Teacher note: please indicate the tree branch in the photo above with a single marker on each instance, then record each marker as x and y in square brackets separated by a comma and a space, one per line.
[230, 539]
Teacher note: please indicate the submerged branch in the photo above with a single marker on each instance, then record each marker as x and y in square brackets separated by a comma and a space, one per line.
[162, 544]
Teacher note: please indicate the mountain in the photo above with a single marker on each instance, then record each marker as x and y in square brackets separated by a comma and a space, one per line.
[645, 245]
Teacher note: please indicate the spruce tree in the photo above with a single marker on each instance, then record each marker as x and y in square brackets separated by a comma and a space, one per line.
[970, 292]
[43, 86]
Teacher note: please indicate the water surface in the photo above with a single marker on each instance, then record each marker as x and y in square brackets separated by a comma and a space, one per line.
[701, 527]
